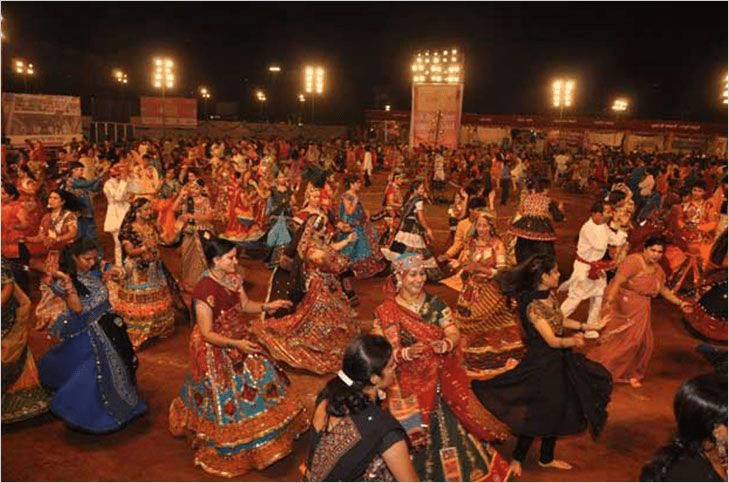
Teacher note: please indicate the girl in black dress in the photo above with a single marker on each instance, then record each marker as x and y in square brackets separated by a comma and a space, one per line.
[353, 438]
[553, 391]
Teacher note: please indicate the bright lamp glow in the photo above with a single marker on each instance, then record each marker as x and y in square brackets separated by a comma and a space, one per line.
[725, 94]
[563, 92]
[22, 68]
[620, 105]
[120, 76]
[274, 68]
[314, 79]
[442, 67]
[163, 76]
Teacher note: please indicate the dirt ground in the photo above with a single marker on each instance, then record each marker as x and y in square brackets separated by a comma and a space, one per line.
[639, 421]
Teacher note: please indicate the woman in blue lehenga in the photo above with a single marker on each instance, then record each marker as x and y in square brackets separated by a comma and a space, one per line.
[366, 258]
[91, 372]
[278, 209]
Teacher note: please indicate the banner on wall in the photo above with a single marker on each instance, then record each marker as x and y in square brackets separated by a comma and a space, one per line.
[53, 120]
[178, 111]
[436, 114]
[612, 139]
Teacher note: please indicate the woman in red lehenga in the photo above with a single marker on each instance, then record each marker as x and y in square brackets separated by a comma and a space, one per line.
[431, 379]
[234, 405]
[626, 343]
[312, 336]
[242, 224]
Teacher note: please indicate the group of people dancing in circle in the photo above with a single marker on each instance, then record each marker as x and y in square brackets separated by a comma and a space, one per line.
[425, 391]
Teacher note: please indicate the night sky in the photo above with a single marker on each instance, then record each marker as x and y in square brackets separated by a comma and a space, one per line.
[669, 58]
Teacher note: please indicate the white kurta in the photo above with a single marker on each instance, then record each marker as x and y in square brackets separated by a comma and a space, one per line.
[117, 197]
[591, 246]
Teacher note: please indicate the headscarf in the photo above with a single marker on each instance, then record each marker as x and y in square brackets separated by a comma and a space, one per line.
[408, 261]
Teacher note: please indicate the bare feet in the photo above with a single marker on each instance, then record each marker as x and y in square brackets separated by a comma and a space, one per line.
[515, 467]
[635, 383]
[558, 464]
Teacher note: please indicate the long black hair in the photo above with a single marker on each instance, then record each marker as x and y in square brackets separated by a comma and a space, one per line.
[67, 263]
[699, 405]
[525, 276]
[365, 356]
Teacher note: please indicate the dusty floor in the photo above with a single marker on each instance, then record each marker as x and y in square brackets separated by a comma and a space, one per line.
[640, 420]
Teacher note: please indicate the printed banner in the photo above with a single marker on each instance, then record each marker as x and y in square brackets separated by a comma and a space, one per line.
[436, 114]
[53, 120]
[178, 111]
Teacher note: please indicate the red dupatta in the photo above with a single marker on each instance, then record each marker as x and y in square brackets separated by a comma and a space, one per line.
[423, 375]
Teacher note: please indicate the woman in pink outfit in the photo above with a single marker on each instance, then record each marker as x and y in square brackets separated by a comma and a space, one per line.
[626, 343]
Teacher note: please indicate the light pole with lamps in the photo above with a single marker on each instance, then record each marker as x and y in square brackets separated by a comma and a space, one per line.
[205, 94]
[302, 103]
[562, 94]
[273, 72]
[163, 78]
[25, 70]
[261, 96]
[121, 79]
[725, 92]
[313, 84]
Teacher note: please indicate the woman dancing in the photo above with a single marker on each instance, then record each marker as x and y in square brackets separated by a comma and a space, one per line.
[493, 335]
[23, 397]
[414, 235]
[234, 404]
[314, 335]
[366, 260]
[553, 391]
[92, 371]
[533, 228]
[625, 345]
[145, 298]
[431, 375]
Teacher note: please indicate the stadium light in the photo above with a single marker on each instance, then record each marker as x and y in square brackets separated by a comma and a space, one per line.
[25, 69]
[163, 78]
[620, 105]
[563, 94]
[440, 67]
[313, 84]
[120, 76]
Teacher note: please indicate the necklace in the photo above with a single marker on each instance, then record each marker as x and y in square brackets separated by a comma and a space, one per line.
[414, 305]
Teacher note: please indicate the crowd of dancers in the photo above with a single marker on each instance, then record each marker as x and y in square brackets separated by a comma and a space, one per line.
[426, 391]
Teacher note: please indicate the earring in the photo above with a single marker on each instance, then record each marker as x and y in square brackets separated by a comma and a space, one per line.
[398, 284]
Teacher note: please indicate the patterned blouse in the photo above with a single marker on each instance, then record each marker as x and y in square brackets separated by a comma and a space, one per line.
[547, 309]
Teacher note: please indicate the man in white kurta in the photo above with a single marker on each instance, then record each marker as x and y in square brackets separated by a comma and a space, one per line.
[117, 196]
[595, 236]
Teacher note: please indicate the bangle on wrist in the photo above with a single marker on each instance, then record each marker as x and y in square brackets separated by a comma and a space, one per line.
[406, 354]
[230, 344]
